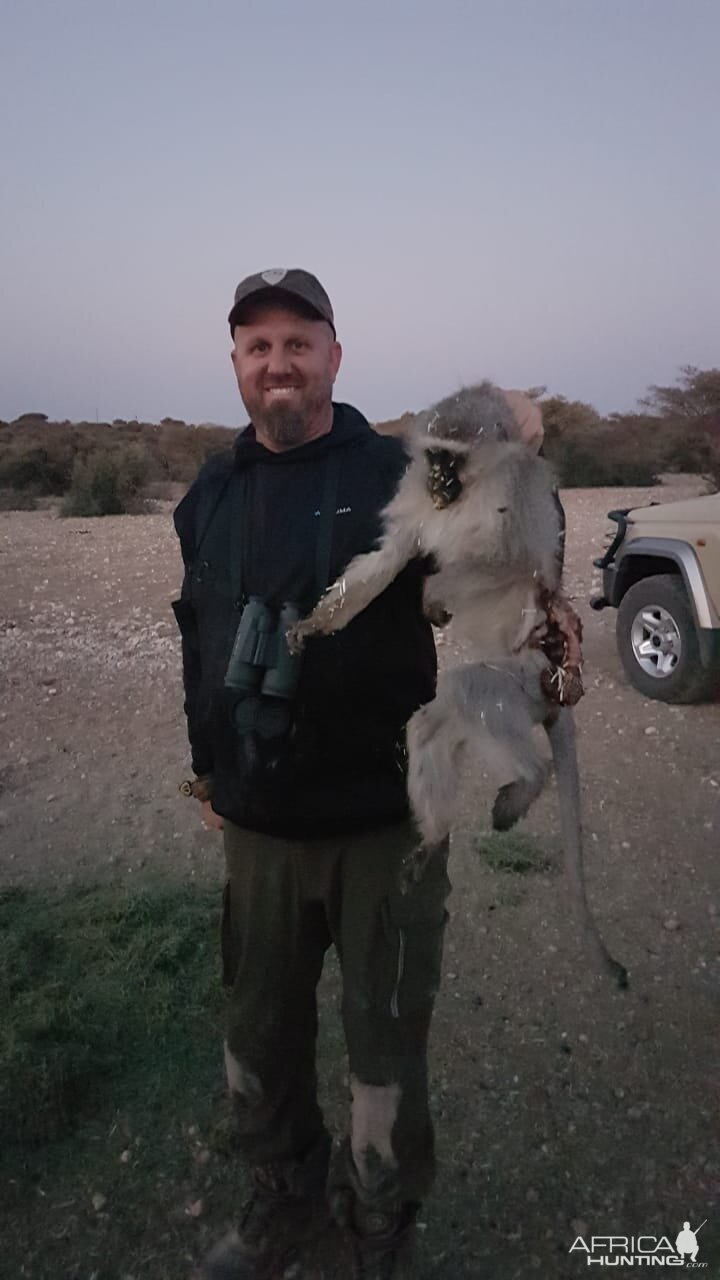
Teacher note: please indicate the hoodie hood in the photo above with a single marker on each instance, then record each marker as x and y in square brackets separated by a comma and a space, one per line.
[348, 424]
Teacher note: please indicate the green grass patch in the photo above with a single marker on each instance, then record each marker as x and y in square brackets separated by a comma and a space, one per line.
[117, 1139]
[113, 1115]
[102, 985]
[510, 851]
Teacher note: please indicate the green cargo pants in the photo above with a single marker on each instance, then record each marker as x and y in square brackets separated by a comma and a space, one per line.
[285, 902]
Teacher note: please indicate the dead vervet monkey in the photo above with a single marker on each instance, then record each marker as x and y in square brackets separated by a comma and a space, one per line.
[485, 509]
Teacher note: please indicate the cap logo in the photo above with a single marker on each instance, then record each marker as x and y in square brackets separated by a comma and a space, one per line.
[274, 276]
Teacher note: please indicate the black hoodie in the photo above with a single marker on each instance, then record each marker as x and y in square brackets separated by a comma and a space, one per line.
[340, 765]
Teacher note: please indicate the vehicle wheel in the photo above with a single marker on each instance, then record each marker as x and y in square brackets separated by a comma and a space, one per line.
[658, 643]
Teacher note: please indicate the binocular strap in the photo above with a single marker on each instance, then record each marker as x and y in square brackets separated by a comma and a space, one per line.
[323, 546]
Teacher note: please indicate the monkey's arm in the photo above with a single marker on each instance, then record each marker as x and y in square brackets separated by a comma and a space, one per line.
[365, 578]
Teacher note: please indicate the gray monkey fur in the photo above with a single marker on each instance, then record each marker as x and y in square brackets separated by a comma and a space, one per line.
[484, 507]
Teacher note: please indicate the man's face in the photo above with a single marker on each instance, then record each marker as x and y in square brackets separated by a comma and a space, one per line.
[285, 366]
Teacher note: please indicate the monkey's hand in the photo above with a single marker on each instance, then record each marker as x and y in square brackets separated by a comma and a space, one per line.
[328, 615]
[323, 621]
[364, 579]
[295, 636]
[433, 604]
[436, 614]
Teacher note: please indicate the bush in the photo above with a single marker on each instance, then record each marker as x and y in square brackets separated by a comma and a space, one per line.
[108, 484]
[17, 500]
[587, 466]
[39, 469]
[48, 458]
[698, 452]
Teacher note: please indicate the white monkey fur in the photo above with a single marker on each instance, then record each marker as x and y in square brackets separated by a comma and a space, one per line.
[494, 545]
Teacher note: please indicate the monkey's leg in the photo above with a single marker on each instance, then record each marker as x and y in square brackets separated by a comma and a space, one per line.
[490, 708]
[365, 578]
[435, 741]
[499, 704]
[435, 738]
[560, 728]
[513, 743]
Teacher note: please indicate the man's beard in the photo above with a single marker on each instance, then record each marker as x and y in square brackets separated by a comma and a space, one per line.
[282, 424]
[286, 425]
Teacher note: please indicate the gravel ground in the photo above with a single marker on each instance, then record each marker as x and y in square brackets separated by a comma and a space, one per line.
[563, 1107]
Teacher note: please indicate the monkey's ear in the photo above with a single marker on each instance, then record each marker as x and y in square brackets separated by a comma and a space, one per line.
[500, 432]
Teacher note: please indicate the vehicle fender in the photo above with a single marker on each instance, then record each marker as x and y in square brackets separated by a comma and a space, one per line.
[684, 557]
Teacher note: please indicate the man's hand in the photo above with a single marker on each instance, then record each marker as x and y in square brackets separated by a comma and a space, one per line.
[210, 819]
[528, 416]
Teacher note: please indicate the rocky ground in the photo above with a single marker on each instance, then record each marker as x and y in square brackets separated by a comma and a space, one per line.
[563, 1107]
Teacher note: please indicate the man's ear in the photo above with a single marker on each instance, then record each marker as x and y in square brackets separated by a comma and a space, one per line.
[336, 359]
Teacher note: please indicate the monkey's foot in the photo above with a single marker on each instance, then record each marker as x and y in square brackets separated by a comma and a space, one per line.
[513, 801]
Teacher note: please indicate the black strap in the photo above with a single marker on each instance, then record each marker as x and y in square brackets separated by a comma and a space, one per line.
[206, 512]
[323, 546]
[327, 517]
[238, 548]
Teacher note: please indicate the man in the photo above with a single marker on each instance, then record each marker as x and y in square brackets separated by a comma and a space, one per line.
[302, 764]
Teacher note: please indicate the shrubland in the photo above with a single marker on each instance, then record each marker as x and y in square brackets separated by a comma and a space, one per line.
[120, 467]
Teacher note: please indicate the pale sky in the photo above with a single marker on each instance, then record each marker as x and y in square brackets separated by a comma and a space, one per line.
[526, 190]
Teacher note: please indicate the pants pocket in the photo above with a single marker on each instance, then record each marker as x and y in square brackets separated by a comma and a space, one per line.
[186, 620]
[413, 929]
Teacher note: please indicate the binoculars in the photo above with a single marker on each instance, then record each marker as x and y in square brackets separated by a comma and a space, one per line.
[260, 661]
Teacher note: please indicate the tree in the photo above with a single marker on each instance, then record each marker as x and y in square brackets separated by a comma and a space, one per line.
[564, 418]
[696, 396]
[687, 420]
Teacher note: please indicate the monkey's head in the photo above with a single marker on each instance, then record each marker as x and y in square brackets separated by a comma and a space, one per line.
[460, 436]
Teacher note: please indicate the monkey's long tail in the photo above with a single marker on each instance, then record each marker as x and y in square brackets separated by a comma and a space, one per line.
[561, 732]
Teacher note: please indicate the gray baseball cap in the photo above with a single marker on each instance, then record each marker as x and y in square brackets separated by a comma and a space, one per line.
[291, 280]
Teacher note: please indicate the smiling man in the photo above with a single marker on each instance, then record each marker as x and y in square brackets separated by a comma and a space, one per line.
[301, 762]
[285, 361]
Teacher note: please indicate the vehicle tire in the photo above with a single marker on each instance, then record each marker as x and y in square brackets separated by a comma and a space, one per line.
[657, 641]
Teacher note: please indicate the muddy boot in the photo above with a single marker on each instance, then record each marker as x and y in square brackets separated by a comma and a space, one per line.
[382, 1242]
[275, 1224]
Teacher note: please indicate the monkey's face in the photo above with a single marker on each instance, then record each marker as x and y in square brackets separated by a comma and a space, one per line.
[444, 469]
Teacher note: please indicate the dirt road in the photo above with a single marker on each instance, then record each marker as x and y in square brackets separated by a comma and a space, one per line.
[563, 1107]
